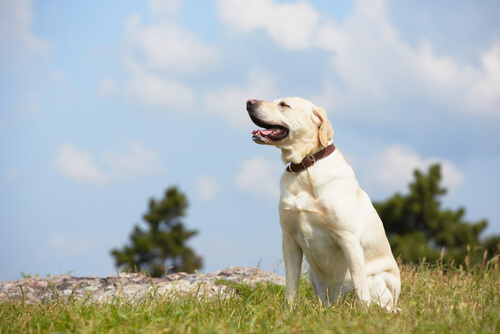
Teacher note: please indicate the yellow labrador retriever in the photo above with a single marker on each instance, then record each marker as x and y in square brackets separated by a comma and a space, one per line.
[324, 214]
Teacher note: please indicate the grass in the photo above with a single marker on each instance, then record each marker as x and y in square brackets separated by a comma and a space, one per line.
[434, 299]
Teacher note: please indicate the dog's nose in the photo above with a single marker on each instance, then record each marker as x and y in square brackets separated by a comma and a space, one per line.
[251, 103]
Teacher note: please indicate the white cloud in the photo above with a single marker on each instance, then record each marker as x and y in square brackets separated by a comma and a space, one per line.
[371, 58]
[260, 177]
[373, 61]
[158, 56]
[291, 25]
[207, 188]
[71, 247]
[392, 169]
[139, 161]
[164, 7]
[166, 47]
[158, 92]
[484, 94]
[78, 164]
[229, 102]
[81, 165]
[106, 87]
[17, 40]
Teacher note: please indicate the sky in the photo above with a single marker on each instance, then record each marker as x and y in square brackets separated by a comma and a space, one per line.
[104, 105]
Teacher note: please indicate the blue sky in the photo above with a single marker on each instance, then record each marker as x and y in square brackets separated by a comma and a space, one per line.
[105, 105]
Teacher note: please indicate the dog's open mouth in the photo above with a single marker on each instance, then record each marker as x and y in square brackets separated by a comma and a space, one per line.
[271, 132]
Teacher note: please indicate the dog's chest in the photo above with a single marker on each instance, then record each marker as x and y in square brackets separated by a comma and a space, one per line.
[303, 212]
[298, 201]
[302, 216]
[305, 217]
[300, 211]
[298, 194]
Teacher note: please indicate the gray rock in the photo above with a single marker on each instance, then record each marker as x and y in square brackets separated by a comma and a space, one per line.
[134, 286]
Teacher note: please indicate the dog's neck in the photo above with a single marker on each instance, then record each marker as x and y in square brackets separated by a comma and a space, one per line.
[297, 154]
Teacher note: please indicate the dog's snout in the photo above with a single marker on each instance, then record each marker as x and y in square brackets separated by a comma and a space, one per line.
[251, 103]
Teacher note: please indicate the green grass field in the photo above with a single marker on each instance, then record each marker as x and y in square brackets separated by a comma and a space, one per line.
[434, 299]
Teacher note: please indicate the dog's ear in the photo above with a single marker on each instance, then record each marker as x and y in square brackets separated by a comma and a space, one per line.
[325, 131]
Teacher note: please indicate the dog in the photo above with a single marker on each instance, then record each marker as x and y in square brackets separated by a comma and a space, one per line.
[324, 214]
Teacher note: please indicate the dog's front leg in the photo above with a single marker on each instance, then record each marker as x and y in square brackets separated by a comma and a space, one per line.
[292, 254]
[353, 251]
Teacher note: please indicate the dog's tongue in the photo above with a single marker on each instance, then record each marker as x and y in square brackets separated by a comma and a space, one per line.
[265, 132]
[262, 132]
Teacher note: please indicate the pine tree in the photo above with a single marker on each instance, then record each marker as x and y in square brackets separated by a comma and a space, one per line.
[162, 246]
[418, 227]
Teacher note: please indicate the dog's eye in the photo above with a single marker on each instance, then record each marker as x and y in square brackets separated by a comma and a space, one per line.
[283, 104]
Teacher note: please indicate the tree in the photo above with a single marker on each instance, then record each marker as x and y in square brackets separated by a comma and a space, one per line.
[161, 247]
[418, 227]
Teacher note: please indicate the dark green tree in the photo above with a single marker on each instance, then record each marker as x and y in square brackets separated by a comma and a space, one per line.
[418, 227]
[161, 247]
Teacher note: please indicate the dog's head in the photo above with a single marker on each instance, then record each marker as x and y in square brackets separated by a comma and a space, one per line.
[295, 125]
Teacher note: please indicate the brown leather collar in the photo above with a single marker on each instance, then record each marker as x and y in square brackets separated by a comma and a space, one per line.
[310, 160]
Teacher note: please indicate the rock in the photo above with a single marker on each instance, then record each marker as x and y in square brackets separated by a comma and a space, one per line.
[134, 286]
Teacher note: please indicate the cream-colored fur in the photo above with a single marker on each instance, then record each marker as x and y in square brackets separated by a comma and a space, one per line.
[325, 215]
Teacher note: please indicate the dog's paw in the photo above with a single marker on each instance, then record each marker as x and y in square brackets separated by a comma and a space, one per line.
[365, 302]
[395, 310]
[290, 302]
